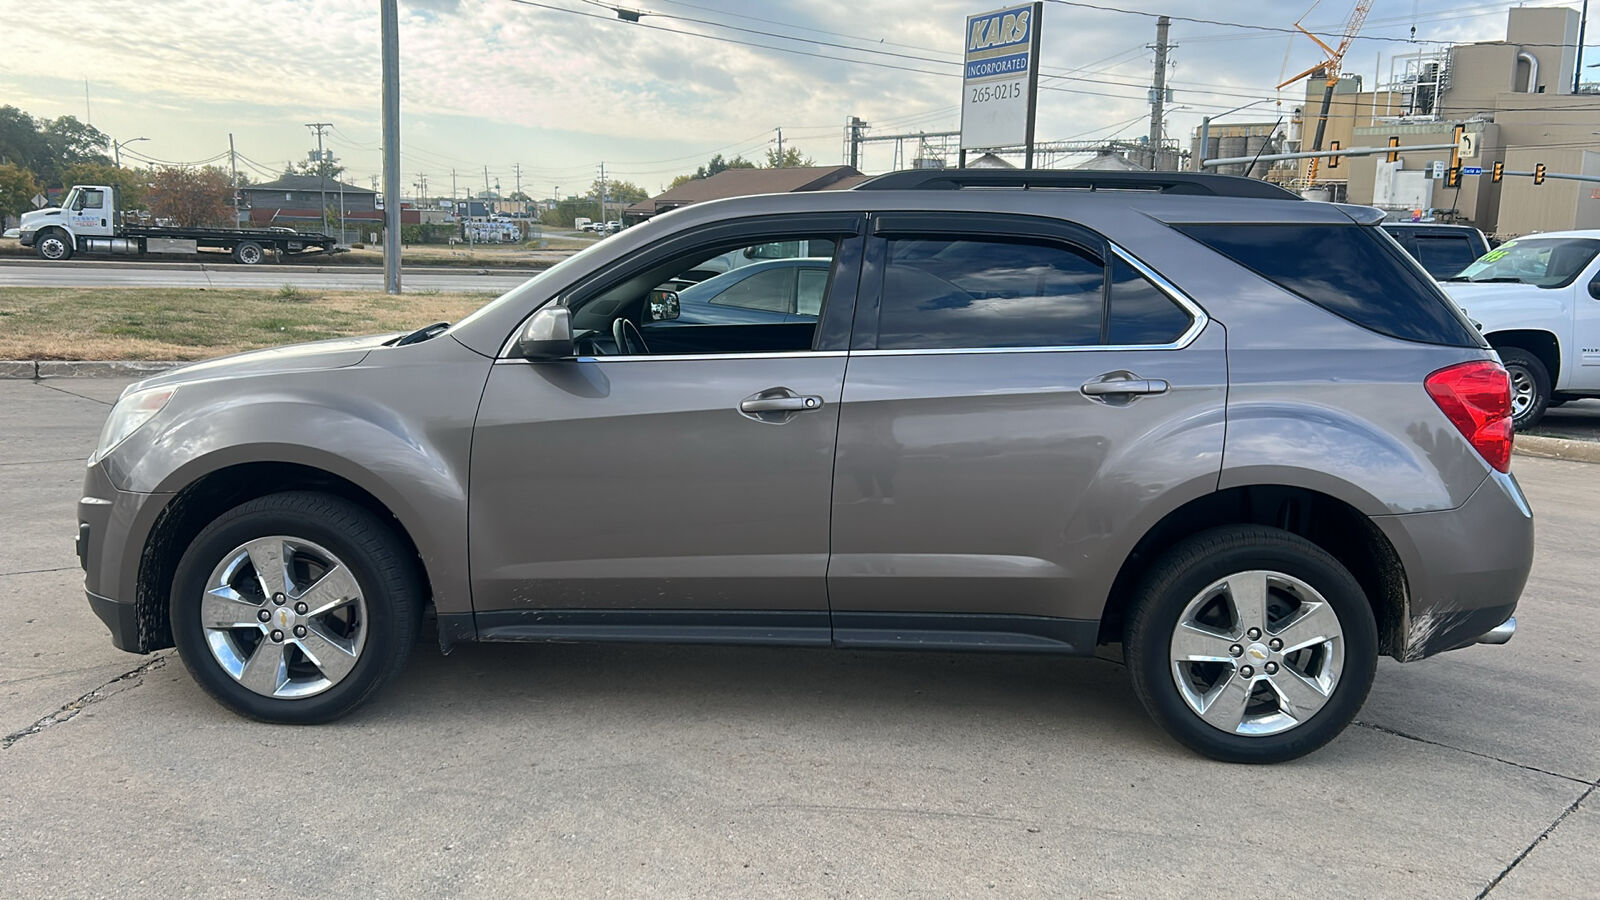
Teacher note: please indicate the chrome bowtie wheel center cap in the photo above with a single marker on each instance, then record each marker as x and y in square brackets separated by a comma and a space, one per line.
[1257, 653]
[284, 619]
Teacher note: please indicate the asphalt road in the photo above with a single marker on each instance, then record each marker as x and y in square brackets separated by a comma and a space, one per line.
[579, 771]
[1578, 420]
[231, 275]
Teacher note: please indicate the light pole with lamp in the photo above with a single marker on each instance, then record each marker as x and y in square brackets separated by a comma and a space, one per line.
[116, 149]
[1205, 130]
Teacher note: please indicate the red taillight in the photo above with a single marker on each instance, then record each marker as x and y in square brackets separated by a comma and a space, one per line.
[1476, 398]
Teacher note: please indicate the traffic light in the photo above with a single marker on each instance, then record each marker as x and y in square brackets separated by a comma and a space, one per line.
[1394, 156]
[1333, 157]
[1538, 173]
[1452, 177]
[1498, 173]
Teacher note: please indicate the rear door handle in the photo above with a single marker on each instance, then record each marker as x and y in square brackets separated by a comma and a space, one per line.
[1124, 387]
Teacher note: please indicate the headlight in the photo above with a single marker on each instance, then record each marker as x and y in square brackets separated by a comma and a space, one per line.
[132, 411]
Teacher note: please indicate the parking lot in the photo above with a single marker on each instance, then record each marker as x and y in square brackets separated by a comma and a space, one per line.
[582, 770]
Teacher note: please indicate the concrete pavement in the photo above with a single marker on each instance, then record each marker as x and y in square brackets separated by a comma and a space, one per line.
[230, 275]
[573, 770]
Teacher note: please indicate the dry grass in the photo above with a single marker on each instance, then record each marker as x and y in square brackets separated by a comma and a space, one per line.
[198, 323]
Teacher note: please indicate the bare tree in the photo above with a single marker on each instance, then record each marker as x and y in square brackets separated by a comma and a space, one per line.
[191, 197]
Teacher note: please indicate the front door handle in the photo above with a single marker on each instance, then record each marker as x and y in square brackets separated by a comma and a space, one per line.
[778, 405]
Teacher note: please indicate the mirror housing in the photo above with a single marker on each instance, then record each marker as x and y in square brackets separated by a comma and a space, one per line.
[1594, 289]
[547, 335]
[664, 306]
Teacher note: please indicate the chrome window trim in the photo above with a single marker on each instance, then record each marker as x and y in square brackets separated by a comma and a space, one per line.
[691, 357]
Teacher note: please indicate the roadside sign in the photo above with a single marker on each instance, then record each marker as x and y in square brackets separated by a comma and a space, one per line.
[1467, 145]
[1001, 77]
[1437, 169]
[39, 201]
[1472, 170]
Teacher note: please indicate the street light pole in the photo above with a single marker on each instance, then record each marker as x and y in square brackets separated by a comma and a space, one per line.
[1205, 130]
[116, 149]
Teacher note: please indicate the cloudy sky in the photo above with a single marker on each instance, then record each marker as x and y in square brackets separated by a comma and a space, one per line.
[557, 86]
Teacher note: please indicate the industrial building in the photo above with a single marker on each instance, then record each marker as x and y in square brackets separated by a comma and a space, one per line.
[1515, 100]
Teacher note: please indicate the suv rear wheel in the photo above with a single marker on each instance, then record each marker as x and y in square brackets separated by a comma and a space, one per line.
[1251, 644]
[295, 607]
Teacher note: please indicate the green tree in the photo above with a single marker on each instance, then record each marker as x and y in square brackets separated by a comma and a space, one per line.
[46, 147]
[792, 159]
[327, 168]
[717, 164]
[17, 188]
[624, 192]
[71, 141]
[130, 183]
[191, 197]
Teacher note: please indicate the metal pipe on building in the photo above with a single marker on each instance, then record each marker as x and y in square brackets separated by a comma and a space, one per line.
[1533, 70]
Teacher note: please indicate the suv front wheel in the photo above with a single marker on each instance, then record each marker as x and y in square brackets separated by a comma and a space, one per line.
[1251, 644]
[295, 607]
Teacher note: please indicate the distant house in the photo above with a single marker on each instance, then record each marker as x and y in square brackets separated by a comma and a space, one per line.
[743, 183]
[305, 192]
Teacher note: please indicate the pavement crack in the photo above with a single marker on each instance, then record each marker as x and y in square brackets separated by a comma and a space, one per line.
[69, 710]
[1489, 756]
[38, 571]
[1537, 841]
[73, 393]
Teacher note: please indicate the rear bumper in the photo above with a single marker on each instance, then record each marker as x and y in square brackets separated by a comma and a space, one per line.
[1465, 567]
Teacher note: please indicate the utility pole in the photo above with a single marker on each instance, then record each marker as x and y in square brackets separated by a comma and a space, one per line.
[391, 145]
[517, 168]
[780, 148]
[1577, 70]
[322, 169]
[233, 166]
[1158, 94]
[603, 218]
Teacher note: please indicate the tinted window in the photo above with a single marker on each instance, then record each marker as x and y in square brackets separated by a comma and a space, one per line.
[771, 290]
[813, 283]
[1444, 255]
[1350, 270]
[975, 294]
[1140, 312]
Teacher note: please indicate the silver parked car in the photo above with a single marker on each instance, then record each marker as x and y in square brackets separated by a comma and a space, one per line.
[1242, 436]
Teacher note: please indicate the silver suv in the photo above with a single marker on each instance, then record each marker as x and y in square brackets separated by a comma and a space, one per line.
[1240, 435]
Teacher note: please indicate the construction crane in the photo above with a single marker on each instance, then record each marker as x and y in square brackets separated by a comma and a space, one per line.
[1330, 67]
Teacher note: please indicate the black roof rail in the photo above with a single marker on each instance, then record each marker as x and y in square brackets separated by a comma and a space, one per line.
[1192, 183]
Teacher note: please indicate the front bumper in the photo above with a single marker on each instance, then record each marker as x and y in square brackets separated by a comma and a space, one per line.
[1465, 567]
[113, 526]
[25, 238]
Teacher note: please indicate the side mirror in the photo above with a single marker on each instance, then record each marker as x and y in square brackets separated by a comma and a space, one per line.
[548, 335]
[663, 306]
[1594, 288]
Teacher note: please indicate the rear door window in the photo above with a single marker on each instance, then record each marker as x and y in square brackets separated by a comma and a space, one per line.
[940, 293]
[1352, 271]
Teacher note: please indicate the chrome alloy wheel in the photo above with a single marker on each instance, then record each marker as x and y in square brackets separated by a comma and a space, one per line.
[1522, 390]
[284, 617]
[1257, 653]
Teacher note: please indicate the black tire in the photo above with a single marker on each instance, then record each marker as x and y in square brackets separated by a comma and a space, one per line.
[53, 244]
[1527, 369]
[248, 253]
[1183, 574]
[383, 568]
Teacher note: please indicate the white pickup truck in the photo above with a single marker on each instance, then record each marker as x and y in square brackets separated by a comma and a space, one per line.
[1537, 300]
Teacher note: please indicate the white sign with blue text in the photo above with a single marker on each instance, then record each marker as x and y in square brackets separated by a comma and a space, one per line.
[1002, 73]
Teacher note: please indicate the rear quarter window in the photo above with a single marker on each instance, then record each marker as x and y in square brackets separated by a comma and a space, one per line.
[1353, 271]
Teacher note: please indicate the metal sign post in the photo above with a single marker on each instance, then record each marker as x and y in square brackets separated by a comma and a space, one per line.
[1000, 82]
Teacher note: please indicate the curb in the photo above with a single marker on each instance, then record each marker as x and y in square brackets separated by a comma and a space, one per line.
[36, 369]
[1557, 448]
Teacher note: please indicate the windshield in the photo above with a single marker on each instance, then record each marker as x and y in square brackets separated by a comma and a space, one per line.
[572, 264]
[69, 199]
[1544, 262]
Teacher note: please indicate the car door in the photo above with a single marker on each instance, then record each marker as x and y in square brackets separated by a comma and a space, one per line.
[1003, 439]
[681, 495]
